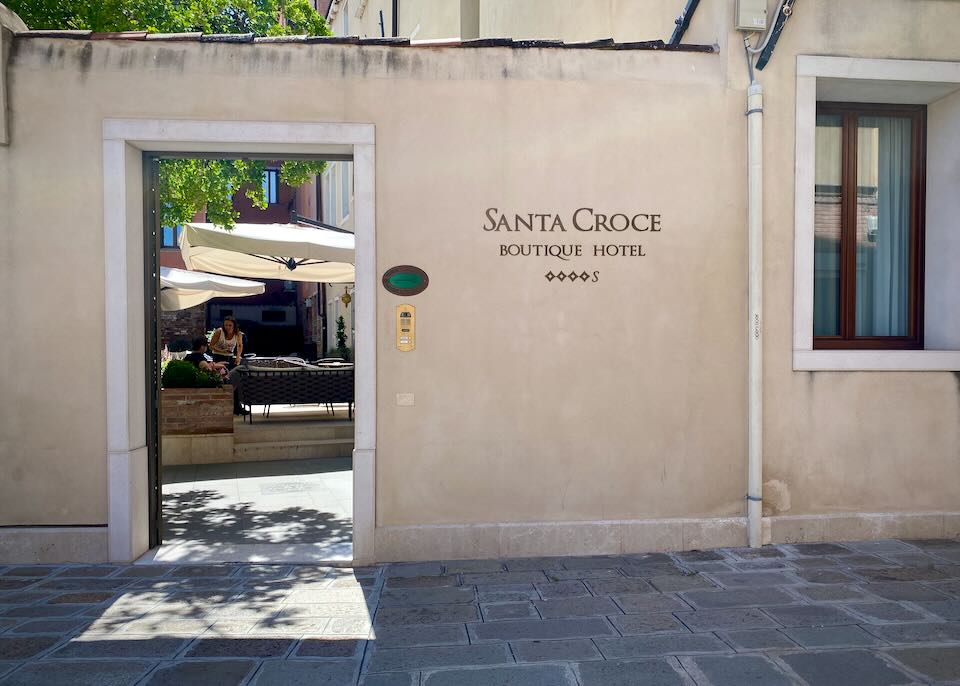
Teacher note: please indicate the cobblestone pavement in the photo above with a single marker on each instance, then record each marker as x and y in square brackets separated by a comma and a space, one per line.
[855, 614]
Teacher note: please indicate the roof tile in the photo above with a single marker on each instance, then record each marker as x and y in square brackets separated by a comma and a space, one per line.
[47, 33]
[226, 38]
[174, 36]
[119, 35]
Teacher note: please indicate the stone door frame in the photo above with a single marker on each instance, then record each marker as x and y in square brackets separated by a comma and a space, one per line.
[124, 143]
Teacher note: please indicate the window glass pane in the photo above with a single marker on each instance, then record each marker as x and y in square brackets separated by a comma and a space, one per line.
[883, 226]
[826, 227]
[168, 237]
[345, 189]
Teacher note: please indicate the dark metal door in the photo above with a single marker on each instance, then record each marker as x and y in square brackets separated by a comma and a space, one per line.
[151, 290]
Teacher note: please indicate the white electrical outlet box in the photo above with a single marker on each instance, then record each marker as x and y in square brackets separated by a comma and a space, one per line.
[406, 400]
[751, 15]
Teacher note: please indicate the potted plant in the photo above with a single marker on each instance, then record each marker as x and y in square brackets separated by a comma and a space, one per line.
[194, 401]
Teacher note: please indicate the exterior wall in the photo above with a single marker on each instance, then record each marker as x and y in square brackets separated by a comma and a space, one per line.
[536, 401]
[419, 19]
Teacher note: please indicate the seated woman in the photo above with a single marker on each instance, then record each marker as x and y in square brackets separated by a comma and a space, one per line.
[226, 344]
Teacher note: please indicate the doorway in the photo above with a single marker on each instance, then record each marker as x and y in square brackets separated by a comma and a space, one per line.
[278, 471]
[135, 486]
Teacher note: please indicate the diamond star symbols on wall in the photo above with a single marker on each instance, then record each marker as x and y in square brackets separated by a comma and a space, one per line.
[572, 276]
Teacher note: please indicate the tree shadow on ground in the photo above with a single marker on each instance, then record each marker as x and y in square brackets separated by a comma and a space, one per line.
[206, 516]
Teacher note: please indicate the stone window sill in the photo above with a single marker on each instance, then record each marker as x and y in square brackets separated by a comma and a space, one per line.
[876, 360]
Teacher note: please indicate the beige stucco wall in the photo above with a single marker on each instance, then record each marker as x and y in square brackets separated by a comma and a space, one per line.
[535, 401]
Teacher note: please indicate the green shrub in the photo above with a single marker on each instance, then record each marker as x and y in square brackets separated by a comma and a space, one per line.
[183, 374]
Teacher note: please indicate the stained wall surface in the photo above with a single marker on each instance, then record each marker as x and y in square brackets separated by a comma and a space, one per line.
[537, 400]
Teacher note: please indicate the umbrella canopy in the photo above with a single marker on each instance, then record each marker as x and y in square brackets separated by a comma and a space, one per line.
[180, 289]
[270, 251]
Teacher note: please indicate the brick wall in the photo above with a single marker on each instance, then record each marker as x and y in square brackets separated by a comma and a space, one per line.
[187, 324]
[189, 411]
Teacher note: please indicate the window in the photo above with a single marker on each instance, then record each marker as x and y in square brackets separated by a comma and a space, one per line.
[273, 316]
[170, 236]
[326, 180]
[344, 190]
[271, 181]
[868, 226]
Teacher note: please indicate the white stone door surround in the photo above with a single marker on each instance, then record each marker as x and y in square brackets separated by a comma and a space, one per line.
[124, 142]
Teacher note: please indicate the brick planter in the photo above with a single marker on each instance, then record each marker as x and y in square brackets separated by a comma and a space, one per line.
[192, 411]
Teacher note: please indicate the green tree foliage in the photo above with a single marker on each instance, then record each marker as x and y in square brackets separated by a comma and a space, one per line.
[188, 186]
[261, 17]
[191, 186]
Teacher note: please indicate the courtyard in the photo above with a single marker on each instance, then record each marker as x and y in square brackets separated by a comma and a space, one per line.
[869, 613]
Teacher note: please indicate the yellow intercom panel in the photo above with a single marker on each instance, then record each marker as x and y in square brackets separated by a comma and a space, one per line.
[406, 328]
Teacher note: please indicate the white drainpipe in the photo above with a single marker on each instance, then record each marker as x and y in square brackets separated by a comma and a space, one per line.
[755, 311]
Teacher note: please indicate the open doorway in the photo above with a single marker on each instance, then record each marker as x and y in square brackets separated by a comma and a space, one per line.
[273, 477]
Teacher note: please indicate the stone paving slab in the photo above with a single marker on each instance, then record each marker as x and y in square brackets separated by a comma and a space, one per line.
[562, 589]
[830, 592]
[939, 663]
[391, 679]
[576, 607]
[758, 639]
[736, 670]
[880, 613]
[574, 574]
[520, 675]
[579, 649]
[632, 673]
[731, 619]
[407, 659]
[134, 646]
[666, 584]
[902, 590]
[436, 635]
[427, 596]
[740, 598]
[932, 632]
[652, 623]
[296, 673]
[240, 647]
[660, 645]
[832, 637]
[201, 673]
[810, 615]
[428, 614]
[25, 647]
[497, 611]
[648, 602]
[845, 668]
[586, 627]
[87, 673]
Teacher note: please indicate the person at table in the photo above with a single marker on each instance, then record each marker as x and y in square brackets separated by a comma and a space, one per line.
[198, 357]
[226, 345]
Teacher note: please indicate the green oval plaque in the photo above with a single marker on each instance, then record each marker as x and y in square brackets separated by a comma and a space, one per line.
[405, 280]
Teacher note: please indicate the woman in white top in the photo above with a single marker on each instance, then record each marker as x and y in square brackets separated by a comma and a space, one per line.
[226, 345]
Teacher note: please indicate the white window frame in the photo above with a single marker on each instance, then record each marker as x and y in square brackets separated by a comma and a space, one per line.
[809, 69]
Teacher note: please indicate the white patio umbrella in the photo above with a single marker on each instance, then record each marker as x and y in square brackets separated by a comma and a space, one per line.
[180, 289]
[270, 251]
